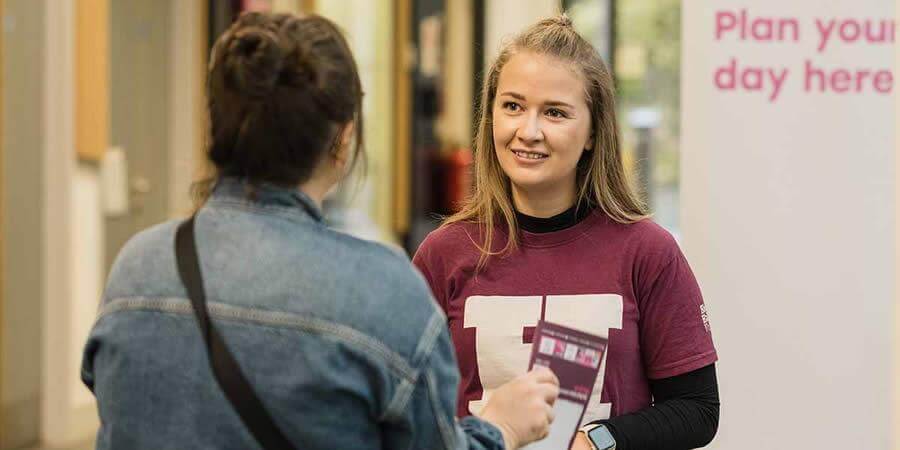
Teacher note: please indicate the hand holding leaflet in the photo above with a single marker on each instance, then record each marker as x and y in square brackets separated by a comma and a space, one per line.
[575, 358]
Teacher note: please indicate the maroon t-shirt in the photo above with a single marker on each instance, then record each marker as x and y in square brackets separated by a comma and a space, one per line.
[629, 283]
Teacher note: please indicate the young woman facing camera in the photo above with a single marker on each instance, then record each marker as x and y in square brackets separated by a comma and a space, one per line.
[555, 232]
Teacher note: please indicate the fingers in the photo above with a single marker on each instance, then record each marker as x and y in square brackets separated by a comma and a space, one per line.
[545, 375]
[544, 433]
[548, 384]
[549, 393]
[550, 416]
[525, 405]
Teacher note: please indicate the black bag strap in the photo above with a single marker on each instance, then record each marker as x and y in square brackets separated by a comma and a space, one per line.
[225, 368]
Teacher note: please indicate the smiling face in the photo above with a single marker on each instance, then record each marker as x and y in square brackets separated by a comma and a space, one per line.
[541, 127]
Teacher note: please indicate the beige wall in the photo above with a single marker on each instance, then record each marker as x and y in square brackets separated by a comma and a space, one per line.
[368, 25]
[23, 50]
[71, 267]
[505, 18]
[187, 101]
[53, 257]
[455, 123]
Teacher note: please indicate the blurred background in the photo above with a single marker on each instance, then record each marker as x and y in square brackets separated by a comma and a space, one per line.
[103, 129]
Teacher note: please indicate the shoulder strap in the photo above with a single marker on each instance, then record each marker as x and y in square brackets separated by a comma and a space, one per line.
[225, 368]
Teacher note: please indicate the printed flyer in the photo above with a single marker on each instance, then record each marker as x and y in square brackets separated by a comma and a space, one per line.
[575, 358]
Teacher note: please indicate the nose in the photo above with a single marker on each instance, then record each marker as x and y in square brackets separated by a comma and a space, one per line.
[530, 129]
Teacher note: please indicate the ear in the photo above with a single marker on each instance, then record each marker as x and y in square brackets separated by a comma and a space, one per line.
[589, 145]
[342, 152]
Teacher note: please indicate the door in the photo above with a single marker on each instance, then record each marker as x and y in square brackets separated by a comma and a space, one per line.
[140, 78]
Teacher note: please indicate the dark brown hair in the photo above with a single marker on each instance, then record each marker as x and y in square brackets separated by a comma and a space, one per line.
[280, 87]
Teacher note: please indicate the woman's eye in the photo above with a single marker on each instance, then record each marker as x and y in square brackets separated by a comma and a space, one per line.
[556, 113]
[511, 106]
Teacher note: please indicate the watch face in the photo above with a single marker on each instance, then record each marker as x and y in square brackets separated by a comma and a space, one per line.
[601, 438]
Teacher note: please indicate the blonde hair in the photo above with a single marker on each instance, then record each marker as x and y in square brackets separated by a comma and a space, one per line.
[601, 180]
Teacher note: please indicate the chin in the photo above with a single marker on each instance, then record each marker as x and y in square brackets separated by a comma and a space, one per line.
[528, 182]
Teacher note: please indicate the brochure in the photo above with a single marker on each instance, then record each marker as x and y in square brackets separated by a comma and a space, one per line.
[575, 358]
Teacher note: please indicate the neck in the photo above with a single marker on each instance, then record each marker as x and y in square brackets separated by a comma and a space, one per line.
[316, 189]
[542, 203]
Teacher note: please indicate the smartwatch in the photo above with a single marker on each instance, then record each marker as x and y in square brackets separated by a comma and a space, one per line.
[599, 436]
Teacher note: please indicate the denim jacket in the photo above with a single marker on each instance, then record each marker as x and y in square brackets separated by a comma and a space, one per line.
[339, 337]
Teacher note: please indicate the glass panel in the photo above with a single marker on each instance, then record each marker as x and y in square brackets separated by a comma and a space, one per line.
[647, 68]
[645, 36]
[592, 19]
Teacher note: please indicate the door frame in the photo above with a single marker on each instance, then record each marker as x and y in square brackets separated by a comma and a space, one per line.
[2, 229]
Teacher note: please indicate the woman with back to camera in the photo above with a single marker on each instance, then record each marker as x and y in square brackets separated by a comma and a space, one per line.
[555, 232]
[337, 339]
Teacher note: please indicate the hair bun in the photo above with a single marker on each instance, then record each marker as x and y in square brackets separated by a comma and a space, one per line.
[254, 61]
[564, 20]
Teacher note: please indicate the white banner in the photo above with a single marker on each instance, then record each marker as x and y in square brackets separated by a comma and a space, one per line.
[789, 215]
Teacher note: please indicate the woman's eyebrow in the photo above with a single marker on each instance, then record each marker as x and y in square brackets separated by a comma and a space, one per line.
[558, 103]
[518, 96]
[514, 95]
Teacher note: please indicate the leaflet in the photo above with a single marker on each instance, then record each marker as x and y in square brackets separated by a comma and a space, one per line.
[575, 358]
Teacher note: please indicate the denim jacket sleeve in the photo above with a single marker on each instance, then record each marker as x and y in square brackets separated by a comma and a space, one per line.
[431, 411]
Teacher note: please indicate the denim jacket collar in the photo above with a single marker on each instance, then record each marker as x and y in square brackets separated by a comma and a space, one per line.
[291, 201]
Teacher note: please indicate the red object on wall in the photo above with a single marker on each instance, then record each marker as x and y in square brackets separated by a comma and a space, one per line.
[459, 181]
[256, 5]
